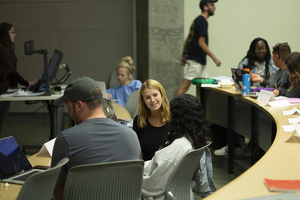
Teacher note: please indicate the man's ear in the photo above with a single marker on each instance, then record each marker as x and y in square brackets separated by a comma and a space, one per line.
[80, 105]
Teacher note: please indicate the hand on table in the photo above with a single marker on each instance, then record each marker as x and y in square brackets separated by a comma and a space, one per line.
[276, 93]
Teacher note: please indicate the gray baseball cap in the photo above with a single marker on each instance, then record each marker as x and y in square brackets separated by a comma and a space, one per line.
[81, 89]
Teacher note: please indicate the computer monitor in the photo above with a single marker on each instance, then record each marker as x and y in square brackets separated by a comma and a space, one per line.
[52, 70]
[54, 64]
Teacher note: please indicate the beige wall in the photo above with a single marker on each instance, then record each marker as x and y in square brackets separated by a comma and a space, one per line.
[237, 22]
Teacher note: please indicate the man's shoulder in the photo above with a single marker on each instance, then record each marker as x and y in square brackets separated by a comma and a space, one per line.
[200, 19]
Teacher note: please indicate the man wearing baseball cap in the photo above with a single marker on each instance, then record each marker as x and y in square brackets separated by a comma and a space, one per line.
[95, 138]
[196, 47]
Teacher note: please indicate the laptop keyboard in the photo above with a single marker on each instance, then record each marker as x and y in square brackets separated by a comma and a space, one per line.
[25, 176]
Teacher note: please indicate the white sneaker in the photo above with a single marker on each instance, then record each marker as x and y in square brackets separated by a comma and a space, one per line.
[224, 151]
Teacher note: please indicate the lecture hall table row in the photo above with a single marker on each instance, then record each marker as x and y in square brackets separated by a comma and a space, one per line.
[281, 161]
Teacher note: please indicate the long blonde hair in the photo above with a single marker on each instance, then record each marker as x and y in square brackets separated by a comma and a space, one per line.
[144, 111]
[127, 63]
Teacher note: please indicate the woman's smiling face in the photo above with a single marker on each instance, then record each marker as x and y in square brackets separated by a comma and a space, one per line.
[152, 99]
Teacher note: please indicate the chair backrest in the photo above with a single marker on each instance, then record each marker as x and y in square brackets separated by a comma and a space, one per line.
[113, 81]
[136, 112]
[113, 181]
[40, 186]
[133, 102]
[179, 183]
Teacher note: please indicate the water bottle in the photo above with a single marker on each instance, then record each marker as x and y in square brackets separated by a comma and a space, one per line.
[44, 86]
[246, 83]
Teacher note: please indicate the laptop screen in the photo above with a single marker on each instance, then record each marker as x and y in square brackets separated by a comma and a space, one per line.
[54, 64]
[12, 159]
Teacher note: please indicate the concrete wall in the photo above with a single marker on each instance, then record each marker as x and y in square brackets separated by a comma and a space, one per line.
[165, 43]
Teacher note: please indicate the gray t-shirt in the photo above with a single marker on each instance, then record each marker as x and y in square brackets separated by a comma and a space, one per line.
[96, 140]
[280, 77]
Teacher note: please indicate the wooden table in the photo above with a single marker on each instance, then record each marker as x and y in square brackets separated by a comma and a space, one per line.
[281, 161]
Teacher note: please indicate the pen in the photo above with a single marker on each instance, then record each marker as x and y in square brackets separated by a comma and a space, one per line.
[275, 86]
[31, 84]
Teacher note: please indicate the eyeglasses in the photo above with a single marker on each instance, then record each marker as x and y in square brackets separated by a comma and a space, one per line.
[260, 49]
[277, 47]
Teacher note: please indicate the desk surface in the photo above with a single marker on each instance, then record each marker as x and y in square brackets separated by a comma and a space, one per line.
[281, 161]
[120, 111]
[30, 98]
[12, 191]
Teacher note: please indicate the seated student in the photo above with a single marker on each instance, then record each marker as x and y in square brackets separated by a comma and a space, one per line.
[293, 69]
[152, 120]
[188, 131]
[258, 60]
[95, 138]
[280, 53]
[127, 85]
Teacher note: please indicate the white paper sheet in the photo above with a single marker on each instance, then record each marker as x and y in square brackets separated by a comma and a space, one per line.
[290, 128]
[210, 85]
[291, 112]
[293, 120]
[279, 103]
[266, 96]
[47, 148]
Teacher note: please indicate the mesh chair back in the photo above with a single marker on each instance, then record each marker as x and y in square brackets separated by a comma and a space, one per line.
[133, 102]
[40, 186]
[179, 184]
[113, 81]
[113, 181]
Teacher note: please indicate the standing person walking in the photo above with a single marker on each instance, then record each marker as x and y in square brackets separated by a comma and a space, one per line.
[196, 47]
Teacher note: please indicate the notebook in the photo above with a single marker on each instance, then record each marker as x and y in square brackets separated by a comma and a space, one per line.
[237, 77]
[14, 166]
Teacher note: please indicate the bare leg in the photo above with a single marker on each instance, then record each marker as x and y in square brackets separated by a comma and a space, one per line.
[183, 87]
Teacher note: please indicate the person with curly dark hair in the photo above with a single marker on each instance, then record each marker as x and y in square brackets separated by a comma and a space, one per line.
[188, 131]
[258, 60]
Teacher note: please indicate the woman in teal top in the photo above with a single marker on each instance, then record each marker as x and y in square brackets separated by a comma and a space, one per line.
[127, 85]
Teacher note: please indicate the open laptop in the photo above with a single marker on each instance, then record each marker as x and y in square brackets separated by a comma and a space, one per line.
[237, 77]
[14, 166]
[102, 86]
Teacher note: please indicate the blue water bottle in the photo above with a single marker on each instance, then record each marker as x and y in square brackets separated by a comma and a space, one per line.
[44, 86]
[246, 83]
